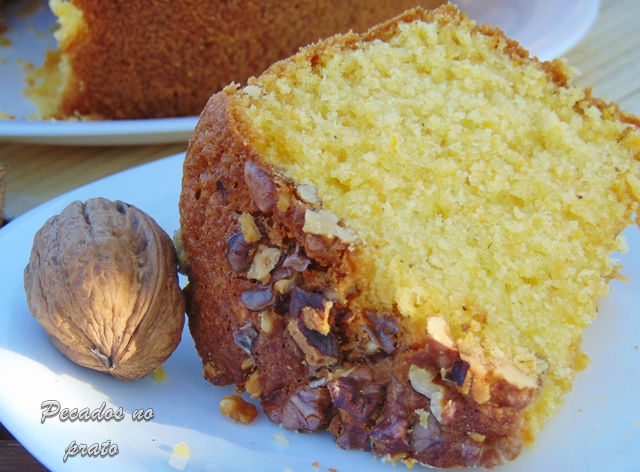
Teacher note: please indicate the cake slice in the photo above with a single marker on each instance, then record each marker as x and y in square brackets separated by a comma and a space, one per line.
[401, 236]
[135, 59]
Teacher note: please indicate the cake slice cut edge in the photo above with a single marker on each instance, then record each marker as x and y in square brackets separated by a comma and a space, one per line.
[173, 58]
[428, 216]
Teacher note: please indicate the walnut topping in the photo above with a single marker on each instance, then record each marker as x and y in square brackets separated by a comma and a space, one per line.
[512, 375]
[381, 330]
[480, 378]
[261, 187]
[325, 223]
[209, 370]
[296, 260]
[340, 372]
[438, 405]
[480, 390]
[244, 337]
[239, 253]
[266, 321]
[357, 395]
[284, 286]
[284, 202]
[308, 194]
[458, 373]
[438, 329]
[304, 409]
[252, 386]
[249, 228]
[318, 349]
[315, 319]
[422, 381]
[479, 438]
[247, 364]
[263, 263]
[258, 297]
[283, 277]
[423, 416]
[239, 410]
[312, 308]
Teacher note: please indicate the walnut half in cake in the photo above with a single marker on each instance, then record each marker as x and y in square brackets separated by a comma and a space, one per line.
[401, 236]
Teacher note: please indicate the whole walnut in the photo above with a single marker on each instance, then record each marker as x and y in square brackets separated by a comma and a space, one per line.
[102, 281]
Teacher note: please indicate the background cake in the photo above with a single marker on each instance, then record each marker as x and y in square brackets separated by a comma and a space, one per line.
[401, 237]
[134, 59]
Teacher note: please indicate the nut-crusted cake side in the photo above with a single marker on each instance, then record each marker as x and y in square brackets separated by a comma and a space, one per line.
[291, 338]
[336, 322]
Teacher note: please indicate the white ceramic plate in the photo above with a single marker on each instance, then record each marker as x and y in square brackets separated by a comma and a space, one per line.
[598, 430]
[546, 27]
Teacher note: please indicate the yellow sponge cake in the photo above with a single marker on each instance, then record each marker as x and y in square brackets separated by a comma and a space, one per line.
[401, 236]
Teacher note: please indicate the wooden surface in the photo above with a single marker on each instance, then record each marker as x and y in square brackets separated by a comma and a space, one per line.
[608, 58]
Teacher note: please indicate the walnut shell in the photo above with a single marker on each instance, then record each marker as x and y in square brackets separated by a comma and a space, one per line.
[102, 281]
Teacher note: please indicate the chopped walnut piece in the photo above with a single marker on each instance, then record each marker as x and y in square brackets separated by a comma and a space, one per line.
[480, 390]
[258, 298]
[422, 381]
[284, 286]
[296, 260]
[476, 437]
[312, 308]
[340, 372]
[438, 404]
[315, 319]
[247, 364]
[512, 375]
[244, 337]
[252, 386]
[438, 329]
[304, 409]
[381, 330]
[266, 321]
[458, 373]
[284, 201]
[325, 223]
[308, 194]
[261, 187]
[249, 228]
[263, 263]
[215, 374]
[318, 349]
[239, 253]
[239, 410]
[356, 394]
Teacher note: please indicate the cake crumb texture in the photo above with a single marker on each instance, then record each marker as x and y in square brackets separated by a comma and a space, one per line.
[151, 59]
[488, 190]
[433, 216]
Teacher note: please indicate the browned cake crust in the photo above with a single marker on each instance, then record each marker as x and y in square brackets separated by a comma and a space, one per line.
[373, 406]
[147, 59]
[314, 362]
